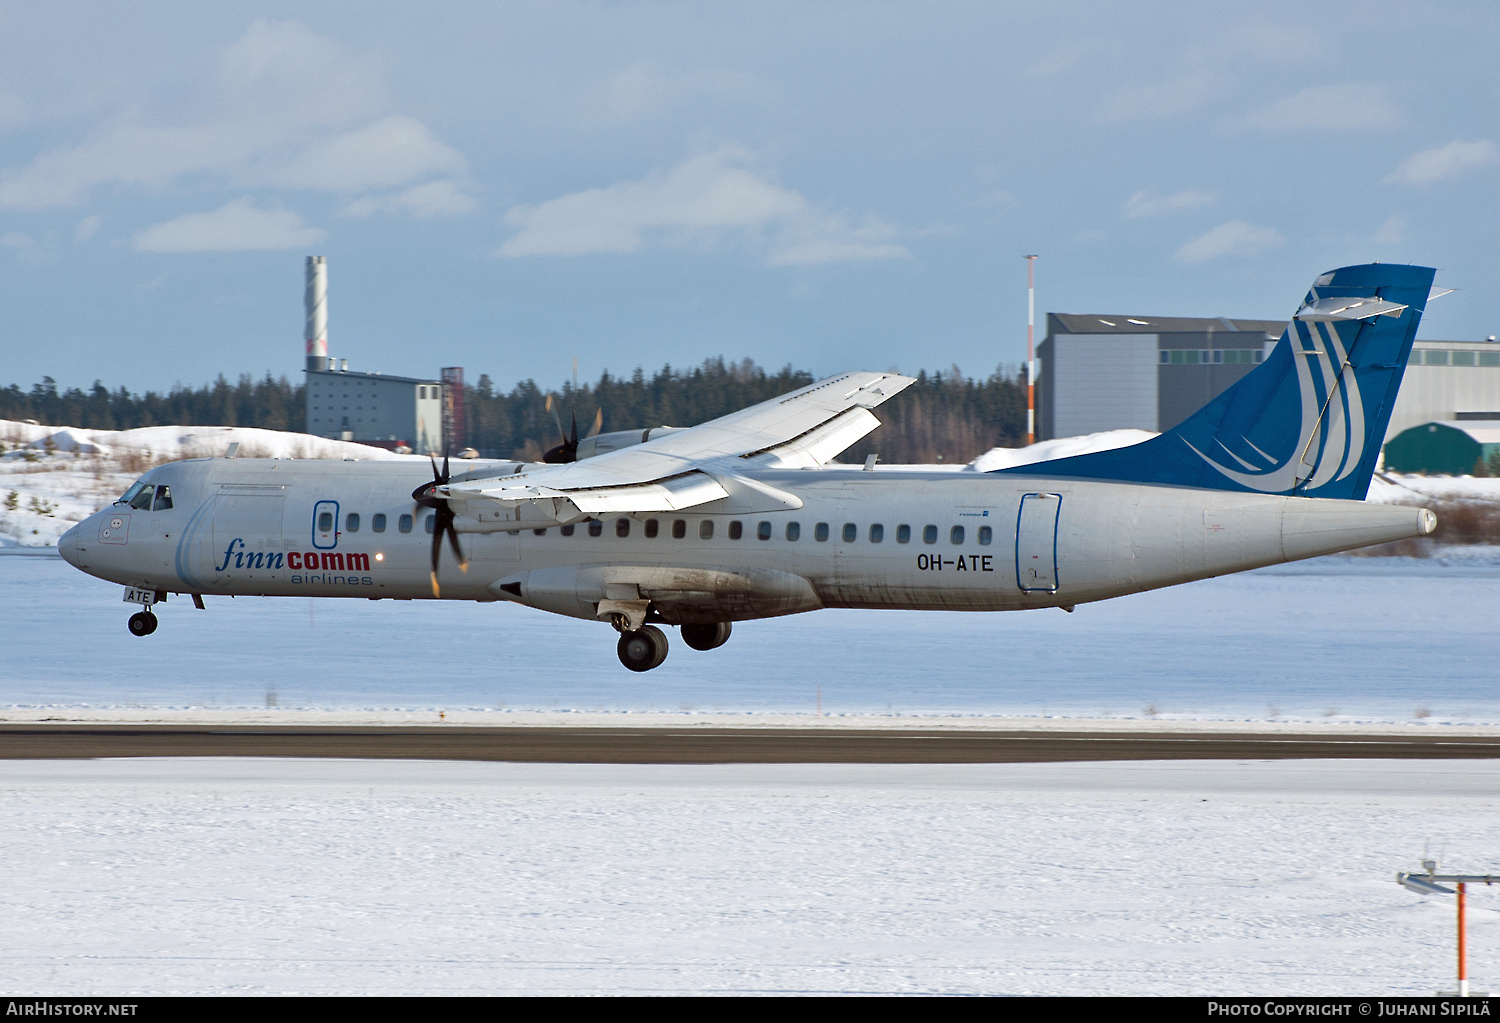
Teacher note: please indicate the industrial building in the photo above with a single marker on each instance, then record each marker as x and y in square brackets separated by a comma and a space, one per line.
[384, 411]
[1112, 372]
[1459, 448]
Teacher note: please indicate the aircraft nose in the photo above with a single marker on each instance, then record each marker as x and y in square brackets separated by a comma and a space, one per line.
[67, 545]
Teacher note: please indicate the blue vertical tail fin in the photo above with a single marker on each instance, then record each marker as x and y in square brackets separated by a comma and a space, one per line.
[1310, 420]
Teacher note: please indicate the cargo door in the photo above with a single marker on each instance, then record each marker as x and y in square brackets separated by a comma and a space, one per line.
[247, 536]
[1036, 543]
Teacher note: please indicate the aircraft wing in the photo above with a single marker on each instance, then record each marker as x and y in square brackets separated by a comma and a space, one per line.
[807, 427]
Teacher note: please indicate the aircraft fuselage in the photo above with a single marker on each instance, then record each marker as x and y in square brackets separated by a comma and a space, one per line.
[949, 540]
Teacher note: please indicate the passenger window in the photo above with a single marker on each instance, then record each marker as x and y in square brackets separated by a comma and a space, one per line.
[956, 535]
[351, 522]
[404, 523]
[163, 499]
[706, 529]
[679, 528]
[142, 500]
[736, 529]
[851, 532]
[986, 535]
[566, 530]
[325, 522]
[820, 532]
[929, 534]
[378, 523]
[794, 530]
[903, 533]
[652, 528]
[596, 527]
[622, 527]
[763, 531]
[429, 523]
[877, 533]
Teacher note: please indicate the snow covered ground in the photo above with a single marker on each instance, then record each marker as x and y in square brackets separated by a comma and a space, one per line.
[1332, 641]
[420, 878]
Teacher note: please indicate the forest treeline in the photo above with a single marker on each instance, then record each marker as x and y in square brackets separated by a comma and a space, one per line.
[944, 416]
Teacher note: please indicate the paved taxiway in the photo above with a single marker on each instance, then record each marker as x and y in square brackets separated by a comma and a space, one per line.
[714, 745]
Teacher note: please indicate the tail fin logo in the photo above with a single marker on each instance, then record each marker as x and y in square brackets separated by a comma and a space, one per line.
[1331, 438]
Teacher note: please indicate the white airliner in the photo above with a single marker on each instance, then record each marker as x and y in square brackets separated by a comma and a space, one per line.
[746, 517]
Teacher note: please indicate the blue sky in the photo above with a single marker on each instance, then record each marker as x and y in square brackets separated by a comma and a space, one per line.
[505, 186]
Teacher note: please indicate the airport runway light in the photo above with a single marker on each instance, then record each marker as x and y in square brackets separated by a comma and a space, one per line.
[1427, 884]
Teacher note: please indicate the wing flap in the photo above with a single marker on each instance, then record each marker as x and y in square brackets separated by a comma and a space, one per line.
[685, 491]
[821, 444]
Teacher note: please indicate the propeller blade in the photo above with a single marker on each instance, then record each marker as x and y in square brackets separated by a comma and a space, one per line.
[598, 422]
[458, 552]
[437, 551]
[573, 438]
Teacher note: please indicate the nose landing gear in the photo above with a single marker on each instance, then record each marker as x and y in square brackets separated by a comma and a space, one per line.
[142, 623]
[643, 649]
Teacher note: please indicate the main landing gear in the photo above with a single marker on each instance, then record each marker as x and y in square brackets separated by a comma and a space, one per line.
[706, 637]
[645, 648]
[142, 623]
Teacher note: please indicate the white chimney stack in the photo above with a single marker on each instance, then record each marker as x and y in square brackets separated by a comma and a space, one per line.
[316, 301]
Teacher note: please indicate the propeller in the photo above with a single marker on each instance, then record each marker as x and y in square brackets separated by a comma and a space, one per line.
[567, 451]
[443, 513]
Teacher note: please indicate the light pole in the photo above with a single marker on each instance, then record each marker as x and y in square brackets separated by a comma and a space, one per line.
[1431, 883]
[1030, 349]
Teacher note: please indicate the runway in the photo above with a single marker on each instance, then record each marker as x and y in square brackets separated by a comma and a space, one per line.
[831, 745]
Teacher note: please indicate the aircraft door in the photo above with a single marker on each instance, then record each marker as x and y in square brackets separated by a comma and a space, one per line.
[1036, 543]
[325, 525]
[247, 536]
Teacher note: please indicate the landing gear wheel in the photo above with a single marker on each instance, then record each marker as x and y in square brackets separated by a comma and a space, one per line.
[706, 637]
[142, 623]
[642, 649]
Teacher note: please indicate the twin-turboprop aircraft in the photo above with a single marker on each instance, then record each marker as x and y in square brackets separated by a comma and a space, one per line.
[746, 517]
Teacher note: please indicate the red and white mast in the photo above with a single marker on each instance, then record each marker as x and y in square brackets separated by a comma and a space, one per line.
[1030, 349]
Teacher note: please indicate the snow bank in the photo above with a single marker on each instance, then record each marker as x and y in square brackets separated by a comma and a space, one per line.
[168, 443]
[299, 877]
[54, 476]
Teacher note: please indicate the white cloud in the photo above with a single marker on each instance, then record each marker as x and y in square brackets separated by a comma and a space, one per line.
[1444, 162]
[1165, 99]
[705, 198]
[1265, 41]
[87, 227]
[1235, 238]
[433, 199]
[1392, 231]
[1143, 204]
[1346, 107]
[387, 153]
[289, 108]
[644, 90]
[237, 226]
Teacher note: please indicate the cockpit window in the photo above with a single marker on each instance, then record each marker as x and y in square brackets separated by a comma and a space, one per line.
[163, 499]
[135, 489]
[142, 499]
